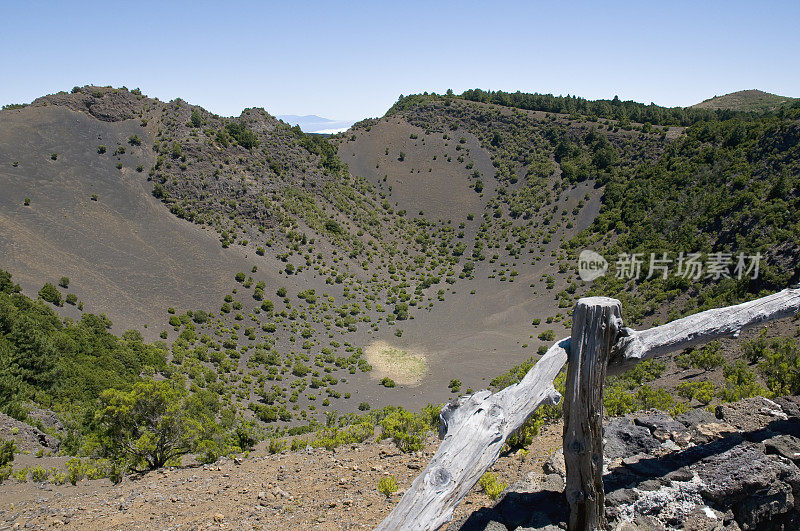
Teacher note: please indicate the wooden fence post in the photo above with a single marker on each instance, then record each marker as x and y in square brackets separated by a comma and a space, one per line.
[596, 322]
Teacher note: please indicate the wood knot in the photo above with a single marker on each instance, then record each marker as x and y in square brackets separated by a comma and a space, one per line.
[577, 447]
[440, 477]
[496, 411]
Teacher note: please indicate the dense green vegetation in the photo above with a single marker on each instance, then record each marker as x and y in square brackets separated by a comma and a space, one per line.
[624, 111]
[61, 364]
[725, 187]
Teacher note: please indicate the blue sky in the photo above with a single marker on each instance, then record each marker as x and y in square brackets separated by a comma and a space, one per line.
[350, 60]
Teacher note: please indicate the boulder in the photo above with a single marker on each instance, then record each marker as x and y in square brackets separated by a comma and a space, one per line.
[787, 446]
[663, 427]
[622, 438]
[759, 488]
[751, 414]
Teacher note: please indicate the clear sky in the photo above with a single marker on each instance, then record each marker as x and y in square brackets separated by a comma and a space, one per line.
[351, 60]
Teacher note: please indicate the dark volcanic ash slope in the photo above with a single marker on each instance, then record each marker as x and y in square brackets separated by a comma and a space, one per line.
[125, 254]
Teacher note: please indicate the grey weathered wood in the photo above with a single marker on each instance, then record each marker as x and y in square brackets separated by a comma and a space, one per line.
[596, 322]
[474, 429]
[701, 328]
[472, 440]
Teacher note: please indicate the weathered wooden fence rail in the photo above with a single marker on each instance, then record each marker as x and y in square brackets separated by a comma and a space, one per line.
[475, 428]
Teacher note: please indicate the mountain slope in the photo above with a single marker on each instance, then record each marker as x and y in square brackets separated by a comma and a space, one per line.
[127, 256]
[435, 246]
[746, 100]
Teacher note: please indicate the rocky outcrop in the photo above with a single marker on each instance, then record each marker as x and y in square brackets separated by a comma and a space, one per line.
[104, 103]
[26, 437]
[735, 468]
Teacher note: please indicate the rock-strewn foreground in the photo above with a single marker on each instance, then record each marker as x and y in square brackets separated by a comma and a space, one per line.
[735, 468]
[732, 469]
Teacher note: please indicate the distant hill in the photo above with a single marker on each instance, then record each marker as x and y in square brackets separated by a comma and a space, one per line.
[746, 100]
[311, 123]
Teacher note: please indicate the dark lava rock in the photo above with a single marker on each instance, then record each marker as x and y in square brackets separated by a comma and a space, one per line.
[695, 416]
[790, 405]
[623, 438]
[533, 509]
[759, 488]
[787, 446]
[481, 520]
[555, 464]
[648, 466]
[663, 427]
[750, 414]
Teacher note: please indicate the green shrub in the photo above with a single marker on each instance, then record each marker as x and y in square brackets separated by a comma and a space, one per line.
[277, 446]
[756, 349]
[387, 382]
[547, 335]
[491, 486]
[618, 400]
[780, 366]
[39, 474]
[155, 423]
[644, 371]
[387, 485]
[703, 392]
[740, 382]
[7, 449]
[706, 358]
[525, 433]
[406, 429]
[75, 471]
[20, 475]
[300, 369]
[49, 293]
[57, 477]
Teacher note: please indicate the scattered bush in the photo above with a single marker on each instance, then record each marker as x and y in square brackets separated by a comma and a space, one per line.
[740, 382]
[49, 293]
[705, 358]
[780, 366]
[387, 485]
[406, 429]
[491, 486]
[277, 446]
[703, 392]
[547, 335]
[7, 449]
